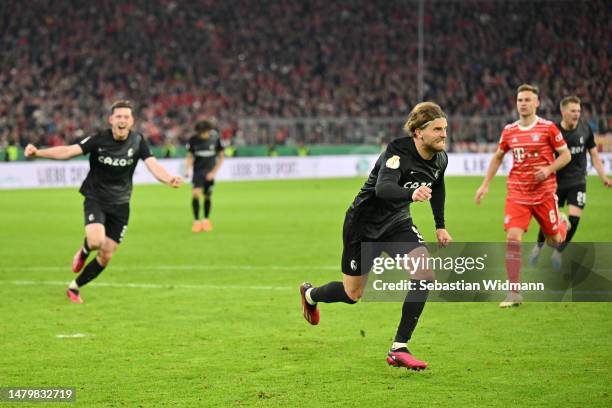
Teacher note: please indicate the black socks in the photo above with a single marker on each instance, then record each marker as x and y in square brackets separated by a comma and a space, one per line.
[91, 271]
[570, 234]
[86, 249]
[331, 293]
[411, 311]
[195, 204]
[541, 239]
[573, 220]
[207, 205]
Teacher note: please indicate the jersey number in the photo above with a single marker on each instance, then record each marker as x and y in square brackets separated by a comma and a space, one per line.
[581, 198]
[519, 154]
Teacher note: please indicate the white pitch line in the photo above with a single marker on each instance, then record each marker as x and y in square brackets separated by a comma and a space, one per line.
[72, 335]
[146, 285]
[182, 267]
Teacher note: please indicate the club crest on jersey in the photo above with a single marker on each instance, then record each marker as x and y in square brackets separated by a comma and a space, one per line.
[535, 137]
[393, 162]
[514, 140]
[559, 137]
[130, 152]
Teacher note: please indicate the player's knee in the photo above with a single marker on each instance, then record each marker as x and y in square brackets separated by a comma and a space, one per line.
[514, 238]
[423, 274]
[95, 243]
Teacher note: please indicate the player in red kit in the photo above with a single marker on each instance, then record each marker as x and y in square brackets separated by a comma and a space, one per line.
[531, 182]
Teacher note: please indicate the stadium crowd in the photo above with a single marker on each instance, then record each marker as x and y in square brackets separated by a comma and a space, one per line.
[64, 62]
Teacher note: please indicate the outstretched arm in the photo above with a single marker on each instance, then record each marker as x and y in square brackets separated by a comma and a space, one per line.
[54, 153]
[159, 172]
[596, 161]
[496, 161]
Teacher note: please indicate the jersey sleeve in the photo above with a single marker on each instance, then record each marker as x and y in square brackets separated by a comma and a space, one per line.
[190, 146]
[503, 141]
[389, 175]
[590, 142]
[89, 143]
[556, 138]
[143, 149]
[438, 196]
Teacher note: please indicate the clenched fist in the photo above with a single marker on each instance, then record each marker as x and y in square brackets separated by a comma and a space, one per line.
[30, 150]
[422, 193]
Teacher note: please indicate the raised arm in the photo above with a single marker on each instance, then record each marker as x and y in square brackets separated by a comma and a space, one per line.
[54, 153]
[159, 172]
[387, 184]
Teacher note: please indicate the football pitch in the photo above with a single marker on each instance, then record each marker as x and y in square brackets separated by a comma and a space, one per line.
[214, 319]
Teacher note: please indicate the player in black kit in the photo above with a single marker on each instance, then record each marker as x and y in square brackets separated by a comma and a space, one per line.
[571, 180]
[410, 170]
[204, 159]
[113, 156]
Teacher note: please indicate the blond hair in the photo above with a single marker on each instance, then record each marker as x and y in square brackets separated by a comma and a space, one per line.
[421, 116]
[569, 99]
[528, 87]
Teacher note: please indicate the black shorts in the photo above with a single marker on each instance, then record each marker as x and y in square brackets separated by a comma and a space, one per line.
[395, 244]
[114, 217]
[199, 181]
[572, 195]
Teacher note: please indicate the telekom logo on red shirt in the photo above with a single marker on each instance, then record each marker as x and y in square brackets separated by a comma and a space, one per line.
[519, 154]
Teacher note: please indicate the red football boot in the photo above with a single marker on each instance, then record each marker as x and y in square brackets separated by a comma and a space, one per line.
[311, 312]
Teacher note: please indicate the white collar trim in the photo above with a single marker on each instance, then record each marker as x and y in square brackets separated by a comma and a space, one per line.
[537, 118]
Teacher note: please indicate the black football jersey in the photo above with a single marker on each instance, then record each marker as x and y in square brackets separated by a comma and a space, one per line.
[384, 199]
[579, 141]
[111, 165]
[205, 151]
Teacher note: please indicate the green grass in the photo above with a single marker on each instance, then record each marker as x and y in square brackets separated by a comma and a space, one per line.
[224, 328]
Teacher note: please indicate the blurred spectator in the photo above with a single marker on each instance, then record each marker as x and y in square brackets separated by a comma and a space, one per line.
[235, 59]
[11, 153]
[303, 150]
[169, 150]
[272, 150]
